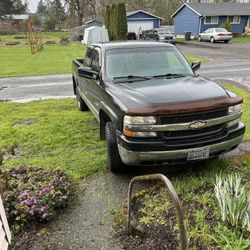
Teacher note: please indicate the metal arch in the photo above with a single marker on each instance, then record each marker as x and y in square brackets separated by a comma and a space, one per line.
[174, 197]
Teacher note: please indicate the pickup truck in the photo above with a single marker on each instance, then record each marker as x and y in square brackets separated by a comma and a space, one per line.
[153, 109]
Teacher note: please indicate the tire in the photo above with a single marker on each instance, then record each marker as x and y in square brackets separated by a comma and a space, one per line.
[81, 103]
[200, 39]
[212, 40]
[226, 41]
[114, 161]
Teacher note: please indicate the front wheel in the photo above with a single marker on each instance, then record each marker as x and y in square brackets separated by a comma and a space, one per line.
[212, 40]
[226, 41]
[114, 161]
[200, 38]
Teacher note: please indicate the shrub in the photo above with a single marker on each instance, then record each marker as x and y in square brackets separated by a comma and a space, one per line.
[227, 25]
[233, 201]
[33, 194]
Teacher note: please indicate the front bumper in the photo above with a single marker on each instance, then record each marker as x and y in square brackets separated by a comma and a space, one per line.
[155, 153]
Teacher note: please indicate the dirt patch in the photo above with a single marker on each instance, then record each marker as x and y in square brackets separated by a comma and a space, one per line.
[26, 122]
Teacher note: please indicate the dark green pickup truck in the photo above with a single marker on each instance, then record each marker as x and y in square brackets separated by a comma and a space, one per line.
[152, 107]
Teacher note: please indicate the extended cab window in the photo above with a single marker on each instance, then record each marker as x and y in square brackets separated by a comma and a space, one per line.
[95, 61]
[88, 58]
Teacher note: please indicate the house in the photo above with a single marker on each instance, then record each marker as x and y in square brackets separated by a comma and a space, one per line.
[95, 23]
[197, 17]
[18, 23]
[140, 20]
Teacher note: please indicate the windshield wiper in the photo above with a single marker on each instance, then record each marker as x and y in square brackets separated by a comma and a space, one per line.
[170, 75]
[132, 78]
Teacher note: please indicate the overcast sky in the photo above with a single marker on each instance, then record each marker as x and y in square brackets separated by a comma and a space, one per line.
[33, 5]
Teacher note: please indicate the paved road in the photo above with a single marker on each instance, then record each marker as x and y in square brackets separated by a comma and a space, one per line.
[227, 62]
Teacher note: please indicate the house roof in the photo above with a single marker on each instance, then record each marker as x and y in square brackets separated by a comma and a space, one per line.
[130, 13]
[218, 9]
[17, 17]
[94, 20]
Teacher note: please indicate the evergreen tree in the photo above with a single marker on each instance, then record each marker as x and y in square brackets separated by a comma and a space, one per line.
[121, 22]
[57, 10]
[107, 19]
[113, 22]
[8, 7]
[41, 7]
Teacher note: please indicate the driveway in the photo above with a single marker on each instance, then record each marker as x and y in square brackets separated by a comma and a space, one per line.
[227, 62]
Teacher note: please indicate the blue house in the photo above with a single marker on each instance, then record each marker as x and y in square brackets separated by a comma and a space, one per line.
[140, 20]
[197, 17]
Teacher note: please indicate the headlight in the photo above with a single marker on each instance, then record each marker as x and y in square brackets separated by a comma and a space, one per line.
[129, 121]
[139, 120]
[235, 109]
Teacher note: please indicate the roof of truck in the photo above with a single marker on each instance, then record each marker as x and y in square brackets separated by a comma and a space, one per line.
[131, 44]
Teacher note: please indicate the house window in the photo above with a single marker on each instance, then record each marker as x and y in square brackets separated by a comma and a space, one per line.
[211, 20]
[234, 19]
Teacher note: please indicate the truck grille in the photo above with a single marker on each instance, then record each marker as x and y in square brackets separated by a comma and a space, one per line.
[185, 118]
[173, 135]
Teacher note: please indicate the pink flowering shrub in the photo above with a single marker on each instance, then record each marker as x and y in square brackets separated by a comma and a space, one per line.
[33, 194]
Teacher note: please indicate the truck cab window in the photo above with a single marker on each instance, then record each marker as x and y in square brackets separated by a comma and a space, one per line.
[95, 61]
[88, 58]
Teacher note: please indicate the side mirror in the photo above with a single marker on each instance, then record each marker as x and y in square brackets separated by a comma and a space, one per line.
[88, 73]
[195, 65]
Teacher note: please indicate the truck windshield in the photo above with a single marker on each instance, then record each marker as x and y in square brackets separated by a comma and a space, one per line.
[146, 62]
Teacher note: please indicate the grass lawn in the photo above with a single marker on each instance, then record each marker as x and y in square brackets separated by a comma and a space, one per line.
[246, 105]
[51, 134]
[57, 35]
[242, 39]
[53, 59]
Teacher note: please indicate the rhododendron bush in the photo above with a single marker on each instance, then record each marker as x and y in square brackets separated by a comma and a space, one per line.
[33, 194]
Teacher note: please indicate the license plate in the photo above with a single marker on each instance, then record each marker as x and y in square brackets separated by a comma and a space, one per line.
[198, 153]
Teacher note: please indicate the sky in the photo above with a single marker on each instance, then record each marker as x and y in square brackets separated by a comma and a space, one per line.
[32, 5]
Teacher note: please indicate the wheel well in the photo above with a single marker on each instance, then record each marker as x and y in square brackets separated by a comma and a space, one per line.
[74, 85]
[104, 118]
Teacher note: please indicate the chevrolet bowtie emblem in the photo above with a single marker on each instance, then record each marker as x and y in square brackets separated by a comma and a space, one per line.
[198, 124]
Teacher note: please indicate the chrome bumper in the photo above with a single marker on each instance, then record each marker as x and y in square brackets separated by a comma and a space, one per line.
[135, 158]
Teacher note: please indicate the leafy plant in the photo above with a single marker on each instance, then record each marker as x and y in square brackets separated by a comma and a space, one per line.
[33, 194]
[227, 25]
[233, 201]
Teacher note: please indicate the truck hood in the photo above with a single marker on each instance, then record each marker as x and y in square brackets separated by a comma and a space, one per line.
[166, 92]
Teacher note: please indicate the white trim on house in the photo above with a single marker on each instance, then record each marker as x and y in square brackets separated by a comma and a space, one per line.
[185, 4]
[130, 13]
[233, 21]
[205, 20]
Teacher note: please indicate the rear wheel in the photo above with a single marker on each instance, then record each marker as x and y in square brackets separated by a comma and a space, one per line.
[114, 161]
[81, 103]
[212, 40]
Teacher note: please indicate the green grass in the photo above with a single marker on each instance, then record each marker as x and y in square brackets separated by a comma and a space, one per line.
[246, 105]
[44, 35]
[242, 39]
[60, 137]
[191, 59]
[53, 59]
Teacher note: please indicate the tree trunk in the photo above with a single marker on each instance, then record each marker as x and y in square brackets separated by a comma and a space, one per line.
[79, 18]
